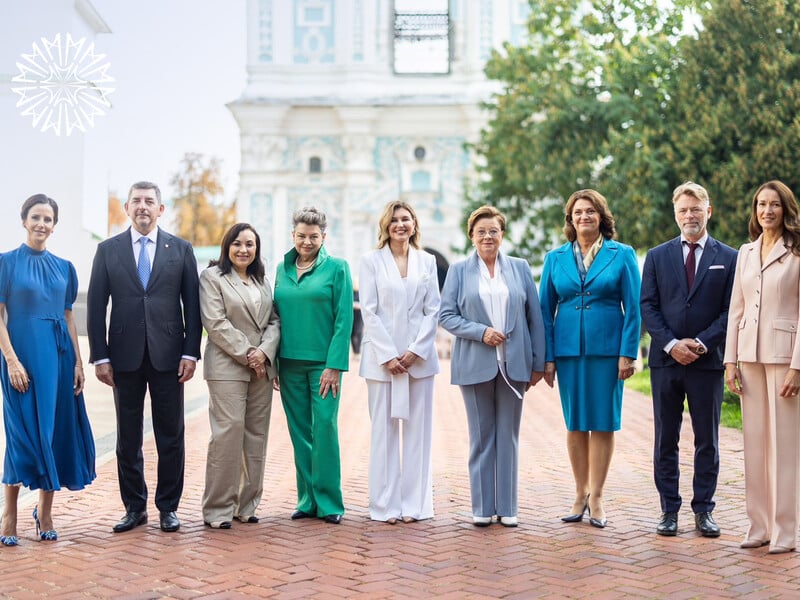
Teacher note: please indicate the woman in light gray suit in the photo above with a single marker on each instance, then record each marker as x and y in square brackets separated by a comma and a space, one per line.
[399, 296]
[243, 335]
[490, 303]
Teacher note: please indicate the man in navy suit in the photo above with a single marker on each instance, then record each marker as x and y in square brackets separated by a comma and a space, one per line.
[152, 342]
[686, 289]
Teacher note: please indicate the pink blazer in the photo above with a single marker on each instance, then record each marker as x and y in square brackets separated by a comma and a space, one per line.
[765, 307]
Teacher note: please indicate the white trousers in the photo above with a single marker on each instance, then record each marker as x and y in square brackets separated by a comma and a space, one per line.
[771, 429]
[239, 413]
[401, 488]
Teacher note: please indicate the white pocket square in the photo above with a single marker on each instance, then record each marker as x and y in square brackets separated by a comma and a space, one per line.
[716, 267]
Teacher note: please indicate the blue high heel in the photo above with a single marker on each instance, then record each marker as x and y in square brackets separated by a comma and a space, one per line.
[47, 536]
[9, 540]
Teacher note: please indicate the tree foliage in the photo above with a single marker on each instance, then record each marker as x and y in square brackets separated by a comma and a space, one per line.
[202, 216]
[735, 115]
[610, 94]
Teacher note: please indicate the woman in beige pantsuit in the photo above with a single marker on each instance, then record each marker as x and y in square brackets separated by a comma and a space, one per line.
[243, 335]
[762, 338]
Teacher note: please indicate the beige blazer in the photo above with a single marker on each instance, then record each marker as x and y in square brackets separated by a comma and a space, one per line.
[765, 307]
[235, 327]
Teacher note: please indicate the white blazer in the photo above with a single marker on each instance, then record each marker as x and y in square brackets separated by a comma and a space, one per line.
[397, 316]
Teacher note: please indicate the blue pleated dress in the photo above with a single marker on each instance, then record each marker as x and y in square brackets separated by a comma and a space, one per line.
[49, 443]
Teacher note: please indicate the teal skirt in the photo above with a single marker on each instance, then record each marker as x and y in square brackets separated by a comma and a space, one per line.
[591, 392]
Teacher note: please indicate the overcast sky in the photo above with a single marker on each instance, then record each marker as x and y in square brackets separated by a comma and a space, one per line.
[176, 64]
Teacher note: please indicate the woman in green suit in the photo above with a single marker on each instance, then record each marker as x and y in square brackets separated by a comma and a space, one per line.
[314, 297]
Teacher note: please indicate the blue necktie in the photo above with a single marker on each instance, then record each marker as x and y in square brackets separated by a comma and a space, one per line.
[143, 268]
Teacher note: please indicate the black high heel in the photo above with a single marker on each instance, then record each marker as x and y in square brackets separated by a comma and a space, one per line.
[46, 536]
[599, 523]
[577, 517]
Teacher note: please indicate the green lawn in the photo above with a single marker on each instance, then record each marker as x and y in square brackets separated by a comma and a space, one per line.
[731, 409]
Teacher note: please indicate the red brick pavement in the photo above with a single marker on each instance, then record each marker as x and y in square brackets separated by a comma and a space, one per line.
[446, 557]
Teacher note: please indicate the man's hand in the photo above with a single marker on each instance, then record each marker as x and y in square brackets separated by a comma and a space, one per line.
[186, 370]
[105, 373]
[684, 351]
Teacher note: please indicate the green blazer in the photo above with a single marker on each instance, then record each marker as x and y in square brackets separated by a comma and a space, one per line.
[316, 312]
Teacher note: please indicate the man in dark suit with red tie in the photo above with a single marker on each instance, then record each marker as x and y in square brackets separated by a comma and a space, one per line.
[686, 290]
[152, 342]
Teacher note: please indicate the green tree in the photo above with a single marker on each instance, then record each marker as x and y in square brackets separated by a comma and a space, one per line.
[734, 117]
[202, 215]
[583, 105]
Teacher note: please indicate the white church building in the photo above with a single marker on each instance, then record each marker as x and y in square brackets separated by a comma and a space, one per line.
[350, 104]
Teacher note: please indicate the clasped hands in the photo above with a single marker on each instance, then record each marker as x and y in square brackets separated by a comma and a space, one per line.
[401, 364]
[257, 360]
[685, 351]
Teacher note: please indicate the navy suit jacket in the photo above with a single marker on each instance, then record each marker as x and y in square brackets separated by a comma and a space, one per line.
[166, 315]
[672, 311]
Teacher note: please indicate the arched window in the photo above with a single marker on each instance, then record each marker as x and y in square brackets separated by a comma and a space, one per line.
[315, 164]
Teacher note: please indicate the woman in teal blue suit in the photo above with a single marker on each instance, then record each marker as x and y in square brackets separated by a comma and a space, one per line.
[590, 303]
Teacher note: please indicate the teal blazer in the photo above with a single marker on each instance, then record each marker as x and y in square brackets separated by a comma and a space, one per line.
[599, 317]
[462, 314]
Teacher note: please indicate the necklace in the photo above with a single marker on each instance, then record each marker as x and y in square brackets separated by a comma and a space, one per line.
[299, 268]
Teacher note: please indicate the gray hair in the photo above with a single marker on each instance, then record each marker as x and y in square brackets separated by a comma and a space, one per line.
[690, 188]
[310, 215]
[145, 185]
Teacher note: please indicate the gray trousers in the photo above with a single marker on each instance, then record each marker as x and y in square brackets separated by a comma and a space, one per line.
[493, 416]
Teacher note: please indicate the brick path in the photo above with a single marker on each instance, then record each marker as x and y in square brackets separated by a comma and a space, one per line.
[446, 557]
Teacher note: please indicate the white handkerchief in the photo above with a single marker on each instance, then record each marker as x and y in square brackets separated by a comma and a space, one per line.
[716, 267]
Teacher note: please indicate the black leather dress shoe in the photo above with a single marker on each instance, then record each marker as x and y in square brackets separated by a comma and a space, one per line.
[301, 514]
[169, 521]
[333, 519]
[668, 524]
[130, 520]
[704, 523]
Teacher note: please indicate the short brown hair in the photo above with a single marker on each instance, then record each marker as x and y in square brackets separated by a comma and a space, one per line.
[485, 212]
[386, 220]
[39, 199]
[600, 204]
[145, 185]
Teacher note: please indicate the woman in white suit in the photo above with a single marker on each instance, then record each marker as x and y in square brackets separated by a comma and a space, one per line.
[243, 335]
[399, 296]
[762, 364]
[489, 302]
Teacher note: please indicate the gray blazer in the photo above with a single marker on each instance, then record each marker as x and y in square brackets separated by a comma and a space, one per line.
[234, 327]
[462, 314]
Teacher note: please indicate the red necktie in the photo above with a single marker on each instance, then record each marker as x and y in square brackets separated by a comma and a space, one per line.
[690, 263]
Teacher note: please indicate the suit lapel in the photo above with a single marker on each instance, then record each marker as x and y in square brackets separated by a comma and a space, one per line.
[472, 287]
[233, 282]
[412, 276]
[125, 253]
[164, 249]
[707, 259]
[566, 260]
[510, 279]
[603, 258]
[779, 250]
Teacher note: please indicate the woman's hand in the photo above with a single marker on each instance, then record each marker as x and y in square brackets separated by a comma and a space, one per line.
[276, 384]
[625, 367]
[257, 360]
[329, 382]
[18, 376]
[550, 373]
[733, 378]
[79, 380]
[492, 337]
[536, 377]
[395, 367]
[407, 359]
[791, 384]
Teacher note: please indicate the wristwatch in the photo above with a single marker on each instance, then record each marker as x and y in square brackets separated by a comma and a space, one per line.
[701, 349]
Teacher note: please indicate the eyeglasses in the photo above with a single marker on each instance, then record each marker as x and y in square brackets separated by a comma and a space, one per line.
[492, 233]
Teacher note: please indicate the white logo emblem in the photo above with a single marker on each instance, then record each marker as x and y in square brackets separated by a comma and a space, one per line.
[65, 85]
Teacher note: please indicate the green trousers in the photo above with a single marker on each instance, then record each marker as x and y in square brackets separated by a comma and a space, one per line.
[314, 430]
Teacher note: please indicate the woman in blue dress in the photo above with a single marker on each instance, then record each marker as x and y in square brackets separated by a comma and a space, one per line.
[590, 303]
[49, 443]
